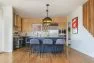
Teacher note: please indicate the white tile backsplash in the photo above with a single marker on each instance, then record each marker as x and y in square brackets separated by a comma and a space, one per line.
[49, 33]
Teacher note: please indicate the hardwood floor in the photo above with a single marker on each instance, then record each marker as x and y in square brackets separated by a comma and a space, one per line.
[22, 56]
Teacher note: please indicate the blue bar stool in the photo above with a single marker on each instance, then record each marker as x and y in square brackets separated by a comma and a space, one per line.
[47, 45]
[59, 45]
[34, 45]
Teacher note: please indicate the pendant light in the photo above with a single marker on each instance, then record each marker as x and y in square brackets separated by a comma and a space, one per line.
[47, 20]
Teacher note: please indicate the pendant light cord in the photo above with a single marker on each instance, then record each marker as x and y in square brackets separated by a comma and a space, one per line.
[47, 9]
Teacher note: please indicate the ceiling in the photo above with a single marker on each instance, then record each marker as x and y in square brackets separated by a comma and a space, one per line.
[37, 8]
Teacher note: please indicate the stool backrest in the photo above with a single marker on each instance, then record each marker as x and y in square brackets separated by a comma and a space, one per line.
[60, 41]
[34, 41]
[47, 41]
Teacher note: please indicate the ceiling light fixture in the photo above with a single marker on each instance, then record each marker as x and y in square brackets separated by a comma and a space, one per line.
[47, 20]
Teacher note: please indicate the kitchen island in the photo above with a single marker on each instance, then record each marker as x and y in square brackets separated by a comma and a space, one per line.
[46, 48]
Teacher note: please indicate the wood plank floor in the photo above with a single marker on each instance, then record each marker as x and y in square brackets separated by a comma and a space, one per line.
[23, 56]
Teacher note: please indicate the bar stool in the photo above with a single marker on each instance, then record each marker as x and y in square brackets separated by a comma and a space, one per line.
[47, 45]
[59, 45]
[34, 45]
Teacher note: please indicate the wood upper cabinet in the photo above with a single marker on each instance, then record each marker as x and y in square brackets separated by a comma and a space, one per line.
[88, 16]
[92, 15]
[85, 15]
[17, 23]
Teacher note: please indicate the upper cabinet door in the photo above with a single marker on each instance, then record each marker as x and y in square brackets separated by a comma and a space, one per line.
[92, 15]
[85, 15]
[88, 16]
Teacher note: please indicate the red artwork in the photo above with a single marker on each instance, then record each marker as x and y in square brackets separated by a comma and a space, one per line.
[75, 25]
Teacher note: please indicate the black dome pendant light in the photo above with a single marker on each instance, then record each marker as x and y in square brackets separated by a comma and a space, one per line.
[47, 20]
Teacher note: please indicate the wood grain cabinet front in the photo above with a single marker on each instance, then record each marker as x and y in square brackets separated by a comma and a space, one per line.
[88, 16]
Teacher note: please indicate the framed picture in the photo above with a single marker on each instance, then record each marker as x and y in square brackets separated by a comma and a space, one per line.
[75, 25]
[36, 27]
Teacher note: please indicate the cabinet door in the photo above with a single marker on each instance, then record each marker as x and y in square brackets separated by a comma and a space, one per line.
[92, 15]
[88, 16]
[18, 23]
[85, 15]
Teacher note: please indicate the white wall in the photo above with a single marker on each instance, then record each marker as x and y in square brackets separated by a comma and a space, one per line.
[83, 41]
[8, 27]
[6, 24]
[1, 30]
